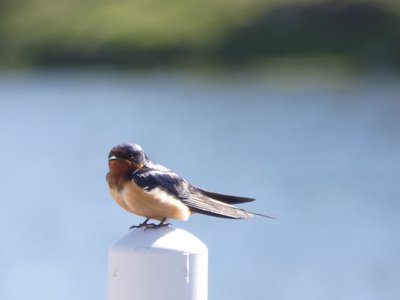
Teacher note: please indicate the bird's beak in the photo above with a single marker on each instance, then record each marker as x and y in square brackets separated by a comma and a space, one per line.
[138, 166]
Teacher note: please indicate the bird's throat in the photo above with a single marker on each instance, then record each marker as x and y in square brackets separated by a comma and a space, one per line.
[119, 172]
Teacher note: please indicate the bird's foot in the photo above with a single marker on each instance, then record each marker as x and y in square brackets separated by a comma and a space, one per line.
[144, 224]
[150, 225]
[159, 225]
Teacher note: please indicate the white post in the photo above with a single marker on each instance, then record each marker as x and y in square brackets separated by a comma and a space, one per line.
[158, 264]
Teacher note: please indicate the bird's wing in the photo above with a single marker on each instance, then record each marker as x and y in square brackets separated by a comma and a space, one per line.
[226, 198]
[168, 181]
[200, 203]
[194, 198]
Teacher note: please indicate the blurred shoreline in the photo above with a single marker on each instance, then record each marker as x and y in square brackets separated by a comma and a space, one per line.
[282, 77]
[350, 34]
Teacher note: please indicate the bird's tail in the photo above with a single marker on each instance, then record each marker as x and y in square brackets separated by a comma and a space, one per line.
[202, 204]
[265, 216]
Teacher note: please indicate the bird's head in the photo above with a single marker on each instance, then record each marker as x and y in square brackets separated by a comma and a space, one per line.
[129, 155]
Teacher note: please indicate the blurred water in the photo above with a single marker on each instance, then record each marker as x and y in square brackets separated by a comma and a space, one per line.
[322, 155]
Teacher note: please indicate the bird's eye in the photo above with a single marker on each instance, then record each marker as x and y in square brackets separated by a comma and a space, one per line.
[137, 156]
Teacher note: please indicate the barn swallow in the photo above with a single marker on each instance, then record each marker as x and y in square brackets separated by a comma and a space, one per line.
[153, 191]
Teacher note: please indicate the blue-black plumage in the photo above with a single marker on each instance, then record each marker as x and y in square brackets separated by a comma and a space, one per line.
[153, 191]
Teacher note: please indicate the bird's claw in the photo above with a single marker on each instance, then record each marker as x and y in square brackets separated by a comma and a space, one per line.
[150, 225]
[155, 226]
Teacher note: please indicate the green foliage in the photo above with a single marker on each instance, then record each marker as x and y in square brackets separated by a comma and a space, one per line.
[153, 32]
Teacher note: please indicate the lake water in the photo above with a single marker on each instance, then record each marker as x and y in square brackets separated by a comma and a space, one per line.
[321, 153]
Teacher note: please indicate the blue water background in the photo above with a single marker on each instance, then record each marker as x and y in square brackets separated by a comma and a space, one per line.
[321, 153]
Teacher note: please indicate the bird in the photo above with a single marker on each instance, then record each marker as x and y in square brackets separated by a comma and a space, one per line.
[148, 189]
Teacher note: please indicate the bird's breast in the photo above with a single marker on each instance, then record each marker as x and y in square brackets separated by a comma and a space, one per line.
[154, 204]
